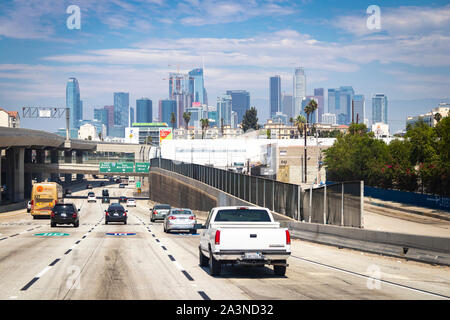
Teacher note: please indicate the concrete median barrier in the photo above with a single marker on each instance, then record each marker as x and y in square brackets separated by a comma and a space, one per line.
[435, 250]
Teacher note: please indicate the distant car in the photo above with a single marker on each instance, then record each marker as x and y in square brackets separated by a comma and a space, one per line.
[180, 219]
[159, 212]
[64, 213]
[122, 185]
[131, 202]
[116, 213]
[102, 184]
[105, 200]
[68, 192]
[105, 192]
[122, 199]
[89, 186]
[91, 197]
[118, 181]
[29, 206]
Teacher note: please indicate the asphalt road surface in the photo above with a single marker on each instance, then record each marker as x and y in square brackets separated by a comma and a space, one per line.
[87, 263]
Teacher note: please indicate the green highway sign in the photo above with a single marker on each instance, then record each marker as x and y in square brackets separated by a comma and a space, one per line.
[142, 167]
[138, 184]
[116, 167]
[51, 234]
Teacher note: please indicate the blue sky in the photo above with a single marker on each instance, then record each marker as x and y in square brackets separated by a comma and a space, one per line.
[129, 45]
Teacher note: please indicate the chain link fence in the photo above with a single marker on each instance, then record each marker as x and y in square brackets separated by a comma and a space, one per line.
[337, 204]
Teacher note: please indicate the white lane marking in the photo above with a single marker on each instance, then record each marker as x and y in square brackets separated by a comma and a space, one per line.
[40, 274]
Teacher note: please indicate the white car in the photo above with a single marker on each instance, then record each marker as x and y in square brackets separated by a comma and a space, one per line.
[131, 202]
[91, 197]
[243, 235]
[29, 206]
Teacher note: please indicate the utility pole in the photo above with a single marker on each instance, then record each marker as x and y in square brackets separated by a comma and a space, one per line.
[306, 158]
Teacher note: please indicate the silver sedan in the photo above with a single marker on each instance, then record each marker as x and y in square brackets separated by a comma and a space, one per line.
[180, 219]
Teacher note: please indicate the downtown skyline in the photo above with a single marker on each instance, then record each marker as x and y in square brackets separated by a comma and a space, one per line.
[128, 47]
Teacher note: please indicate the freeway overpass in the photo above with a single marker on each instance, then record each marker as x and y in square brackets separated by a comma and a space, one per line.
[33, 154]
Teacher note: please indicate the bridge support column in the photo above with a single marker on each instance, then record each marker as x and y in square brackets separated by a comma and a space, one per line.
[15, 174]
[79, 159]
[68, 159]
[54, 155]
[28, 176]
[40, 158]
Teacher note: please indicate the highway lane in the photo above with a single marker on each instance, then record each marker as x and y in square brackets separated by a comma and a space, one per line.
[89, 264]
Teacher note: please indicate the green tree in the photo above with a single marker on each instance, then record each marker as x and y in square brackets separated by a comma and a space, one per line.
[358, 156]
[173, 119]
[268, 133]
[205, 125]
[187, 118]
[300, 122]
[250, 120]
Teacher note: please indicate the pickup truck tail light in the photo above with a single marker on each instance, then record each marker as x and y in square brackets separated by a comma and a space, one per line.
[288, 237]
[217, 237]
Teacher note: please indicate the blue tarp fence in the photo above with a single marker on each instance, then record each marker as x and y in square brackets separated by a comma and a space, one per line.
[412, 198]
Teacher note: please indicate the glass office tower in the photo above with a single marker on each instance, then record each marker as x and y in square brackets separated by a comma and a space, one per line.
[73, 102]
[144, 110]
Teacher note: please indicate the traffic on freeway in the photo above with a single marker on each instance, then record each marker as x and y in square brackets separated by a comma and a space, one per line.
[96, 250]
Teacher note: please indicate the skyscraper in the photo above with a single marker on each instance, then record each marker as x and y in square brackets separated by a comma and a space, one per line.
[240, 102]
[224, 105]
[166, 108]
[144, 110]
[275, 95]
[379, 108]
[287, 105]
[73, 102]
[110, 110]
[359, 108]
[131, 117]
[198, 90]
[121, 105]
[299, 89]
[319, 94]
[340, 103]
[102, 116]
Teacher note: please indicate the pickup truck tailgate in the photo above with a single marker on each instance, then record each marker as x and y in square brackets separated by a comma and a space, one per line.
[246, 238]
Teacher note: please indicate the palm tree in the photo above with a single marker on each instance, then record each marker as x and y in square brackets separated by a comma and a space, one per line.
[173, 119]
[299, 122]
[187, 118]
[205, 125]
[309, 109]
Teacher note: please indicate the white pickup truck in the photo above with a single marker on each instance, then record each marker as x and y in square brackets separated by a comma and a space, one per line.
[243, 235]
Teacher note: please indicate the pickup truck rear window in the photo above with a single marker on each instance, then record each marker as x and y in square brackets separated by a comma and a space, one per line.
[242, 215]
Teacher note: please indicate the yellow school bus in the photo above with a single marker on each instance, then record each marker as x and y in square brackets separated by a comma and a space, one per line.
[44, 196]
